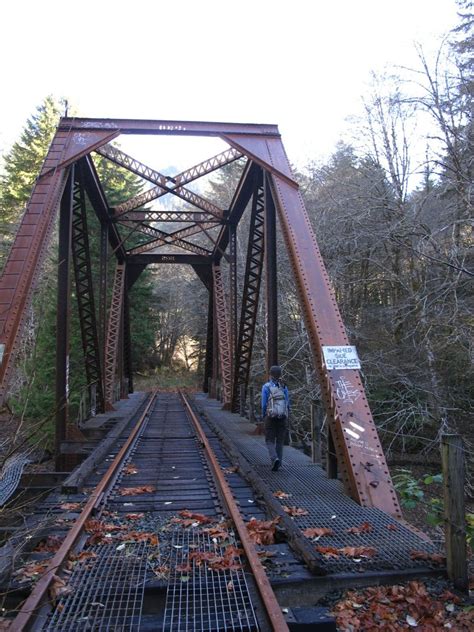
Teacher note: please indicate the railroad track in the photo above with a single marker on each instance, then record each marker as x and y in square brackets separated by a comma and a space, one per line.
[140, 521]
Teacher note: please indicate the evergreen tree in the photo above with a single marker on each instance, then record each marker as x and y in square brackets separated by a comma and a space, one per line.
[24, 160]
[21, 167]
[34, 391]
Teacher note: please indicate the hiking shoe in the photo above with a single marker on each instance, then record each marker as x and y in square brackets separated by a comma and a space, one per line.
[276, 465]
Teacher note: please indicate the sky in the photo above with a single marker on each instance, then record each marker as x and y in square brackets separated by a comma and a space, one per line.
[302, 64]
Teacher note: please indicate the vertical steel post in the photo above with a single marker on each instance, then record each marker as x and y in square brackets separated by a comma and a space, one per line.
[209, 366]
[223, 335]
[271, 285]
[127, 346]
[252, 403]
[331, 458]
[242, 400]
[121, 349]
[113, 334]
[233, 289]
[250, 291]
[103, 271]
[63, 314]
[316, 423]
[84, 285]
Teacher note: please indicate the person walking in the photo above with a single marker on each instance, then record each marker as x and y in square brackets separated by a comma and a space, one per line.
[275, 409]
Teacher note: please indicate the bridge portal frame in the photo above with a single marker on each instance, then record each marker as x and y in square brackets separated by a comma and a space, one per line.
[359, 453]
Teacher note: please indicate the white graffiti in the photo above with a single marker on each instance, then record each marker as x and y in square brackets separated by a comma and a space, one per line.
[346, 391]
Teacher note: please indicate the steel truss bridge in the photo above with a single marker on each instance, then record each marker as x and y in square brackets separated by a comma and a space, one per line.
[128, 236]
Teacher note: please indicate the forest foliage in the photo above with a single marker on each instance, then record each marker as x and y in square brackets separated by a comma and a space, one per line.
[392, 213]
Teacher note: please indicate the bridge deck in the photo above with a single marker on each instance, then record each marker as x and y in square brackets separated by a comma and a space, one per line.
[393, 543]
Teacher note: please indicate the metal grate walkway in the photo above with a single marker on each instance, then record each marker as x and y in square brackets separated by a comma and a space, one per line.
[327, 504]
[106, 591]
[200, 599]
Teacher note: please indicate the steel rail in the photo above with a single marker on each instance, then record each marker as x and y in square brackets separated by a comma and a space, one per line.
[270, 602]
[28, 611]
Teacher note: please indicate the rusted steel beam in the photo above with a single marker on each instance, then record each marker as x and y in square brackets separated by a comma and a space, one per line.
[180, 179]
[29, 610]
[250, 294]
[205, 274]
[241, 198]
[271, 281]
[272, 607]
[85, 293]
[166, 127]
[233, 290]
[223, 334]
[63, 313]
[167, 216]
[135, 166]
[127, 344]
[195, 229]
[165, 239]
[360, 455]
[97, 198]
[194, 260]
[161, 238]
[24, 263]
[208, 362]
[133, 273]
[103, 285]
[113, 333]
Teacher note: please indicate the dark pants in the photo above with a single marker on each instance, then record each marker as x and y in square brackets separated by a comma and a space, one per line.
[275, 433]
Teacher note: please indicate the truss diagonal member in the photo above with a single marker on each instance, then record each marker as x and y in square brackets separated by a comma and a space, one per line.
[113, 333]
[161, 238]
[165, 183]
[24, 263]
[223, 333]
[250, 295]
[85, 294]
[165, 240]
[193, 230]
[359, 452]
[179, 180]
[167, 216]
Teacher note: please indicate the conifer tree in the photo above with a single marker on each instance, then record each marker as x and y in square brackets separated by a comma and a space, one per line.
[24, 160]
[21, 168]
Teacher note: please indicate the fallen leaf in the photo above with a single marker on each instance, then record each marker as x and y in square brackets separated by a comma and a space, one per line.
[50, 545]
[437, 558]
[31, 571]
[134, 516]
[71, 506]
[365, 527]
[262, 531]
[230, 586]
[217, 532]
[230, 470]
[83, 556]
[295, 511]
[392, 527]
[328, 551]
[281, 495]
[130, 469]
[136, 491]
[317, 532]
[358, 551]
[142, 536]
[58, 588]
